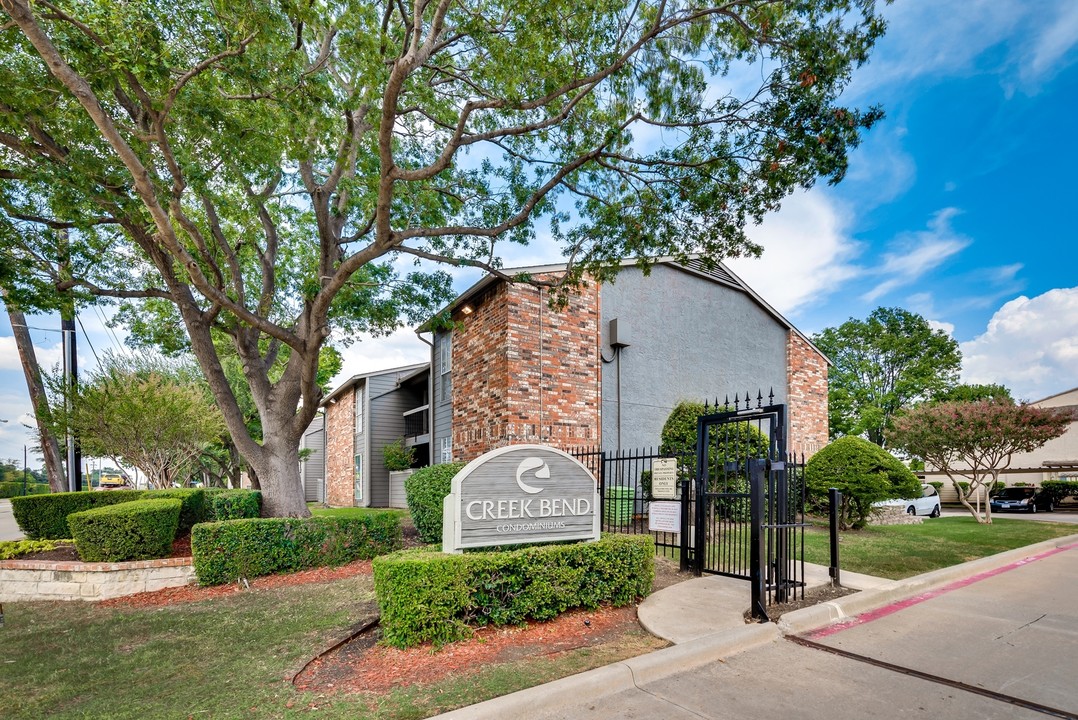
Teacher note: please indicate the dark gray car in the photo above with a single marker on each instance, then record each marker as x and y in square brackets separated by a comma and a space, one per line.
[1027, 499]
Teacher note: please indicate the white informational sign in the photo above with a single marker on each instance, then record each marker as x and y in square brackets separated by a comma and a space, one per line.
[664, 517]
[520, 494]
[664, 478]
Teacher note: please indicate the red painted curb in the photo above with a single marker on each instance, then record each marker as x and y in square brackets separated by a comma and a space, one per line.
[871, 615]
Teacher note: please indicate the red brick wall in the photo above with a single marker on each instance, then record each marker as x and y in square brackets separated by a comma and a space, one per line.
[523, 373]
[480, 376]
[806, 373]
[340, 449]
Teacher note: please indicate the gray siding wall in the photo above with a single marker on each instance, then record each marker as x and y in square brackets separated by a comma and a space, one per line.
[313, 469]
[441, 410]
[691, 338]
[362, 424]
[388, 404]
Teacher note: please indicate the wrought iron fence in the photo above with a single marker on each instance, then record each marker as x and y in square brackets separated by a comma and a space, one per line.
[624, 479]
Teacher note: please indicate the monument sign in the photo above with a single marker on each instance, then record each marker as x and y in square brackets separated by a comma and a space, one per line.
[520, 494]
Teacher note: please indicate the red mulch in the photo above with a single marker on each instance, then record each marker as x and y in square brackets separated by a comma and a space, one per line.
[194, 593]
[364, 666]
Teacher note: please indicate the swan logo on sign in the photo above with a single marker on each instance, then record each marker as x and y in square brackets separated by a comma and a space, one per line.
[531, 464]
[520, 494]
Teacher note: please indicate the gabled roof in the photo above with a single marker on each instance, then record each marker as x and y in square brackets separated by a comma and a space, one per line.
[696, 265]
[403, 372]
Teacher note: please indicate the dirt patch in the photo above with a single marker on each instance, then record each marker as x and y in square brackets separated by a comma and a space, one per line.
[668, 572]
[813, 596]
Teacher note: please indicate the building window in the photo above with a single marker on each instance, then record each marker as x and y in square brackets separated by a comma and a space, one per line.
[357, 480]
[447, 450]
[445, 366]
[359, 408]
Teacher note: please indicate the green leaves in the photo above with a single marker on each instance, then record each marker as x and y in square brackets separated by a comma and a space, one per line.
[884, 364]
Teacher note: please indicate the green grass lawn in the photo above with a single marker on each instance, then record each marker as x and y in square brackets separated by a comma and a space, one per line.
[901, 551]
[231, 657]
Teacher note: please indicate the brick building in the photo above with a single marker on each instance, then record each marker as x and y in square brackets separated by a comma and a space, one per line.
[604, 371]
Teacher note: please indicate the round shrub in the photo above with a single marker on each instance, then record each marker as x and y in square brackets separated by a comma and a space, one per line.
[730, 443]
[425, 490]
[139, 530]
[863, 472]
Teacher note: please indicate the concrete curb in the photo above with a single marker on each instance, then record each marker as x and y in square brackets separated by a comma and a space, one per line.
[593, 685]
[628, 674]
[846, 608]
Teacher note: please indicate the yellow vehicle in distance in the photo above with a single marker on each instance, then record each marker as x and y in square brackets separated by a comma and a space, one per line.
[112, 481]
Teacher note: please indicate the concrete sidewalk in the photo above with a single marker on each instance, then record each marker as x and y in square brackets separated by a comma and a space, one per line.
[704, 617]
[9, 529]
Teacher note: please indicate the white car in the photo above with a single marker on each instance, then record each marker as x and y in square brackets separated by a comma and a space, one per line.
[927, 504]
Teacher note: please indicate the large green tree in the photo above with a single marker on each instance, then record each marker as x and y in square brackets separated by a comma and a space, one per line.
[273, 168]
[889, 361]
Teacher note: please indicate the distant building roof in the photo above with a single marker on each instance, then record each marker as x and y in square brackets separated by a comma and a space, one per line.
[404, 372]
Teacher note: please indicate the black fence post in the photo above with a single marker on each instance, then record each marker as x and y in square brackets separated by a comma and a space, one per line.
[686, 527]
[602, 491]
[757, 473]
[835, 499]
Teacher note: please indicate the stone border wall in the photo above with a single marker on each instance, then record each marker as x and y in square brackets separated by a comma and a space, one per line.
[42, 580]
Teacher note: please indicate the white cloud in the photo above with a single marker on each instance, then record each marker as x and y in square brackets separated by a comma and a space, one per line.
[917, 253]
[1056, 38]
[381, 353]
[9, 354]
[808, 252]
[946, 327]
[1030, 345]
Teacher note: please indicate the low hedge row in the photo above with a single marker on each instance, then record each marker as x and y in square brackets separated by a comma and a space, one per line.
[1060, 489]
[17, 489]
[229, 504]
[428, 596]
[225, 551]
[44, 517]
[139, 530]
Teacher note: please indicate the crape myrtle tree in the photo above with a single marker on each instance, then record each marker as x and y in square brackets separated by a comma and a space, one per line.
[972, 442]
[281, 171]
[887, 362]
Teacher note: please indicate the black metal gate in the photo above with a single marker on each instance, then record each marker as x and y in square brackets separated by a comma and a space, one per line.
[747, 505]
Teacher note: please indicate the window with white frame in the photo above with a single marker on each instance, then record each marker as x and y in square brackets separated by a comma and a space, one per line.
[447, 450]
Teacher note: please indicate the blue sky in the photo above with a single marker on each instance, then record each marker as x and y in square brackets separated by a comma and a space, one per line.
[959, 206]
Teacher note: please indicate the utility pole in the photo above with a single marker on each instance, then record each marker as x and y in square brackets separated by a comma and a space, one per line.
[71, 374]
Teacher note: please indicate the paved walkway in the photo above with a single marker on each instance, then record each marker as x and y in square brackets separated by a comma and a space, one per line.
[708, 672]
[9, 530]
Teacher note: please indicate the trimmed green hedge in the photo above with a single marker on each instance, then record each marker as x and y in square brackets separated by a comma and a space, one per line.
[226, 551]
[140, 530]
[429, 596]
[425, 489]
[194, 509]
[15, 489]
[232, 504]
[44, 517]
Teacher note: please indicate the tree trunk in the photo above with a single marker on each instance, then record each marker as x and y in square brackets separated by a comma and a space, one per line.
[278, 476]
[50, 448]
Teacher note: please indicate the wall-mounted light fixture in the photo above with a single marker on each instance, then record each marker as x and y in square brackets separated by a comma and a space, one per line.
[467, 309]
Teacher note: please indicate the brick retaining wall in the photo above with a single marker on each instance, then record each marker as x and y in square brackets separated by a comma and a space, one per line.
[43, 580]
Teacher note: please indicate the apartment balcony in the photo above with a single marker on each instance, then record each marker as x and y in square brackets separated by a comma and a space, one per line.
[417, 425]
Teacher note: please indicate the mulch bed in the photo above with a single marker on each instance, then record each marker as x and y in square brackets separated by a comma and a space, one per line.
[362, 665]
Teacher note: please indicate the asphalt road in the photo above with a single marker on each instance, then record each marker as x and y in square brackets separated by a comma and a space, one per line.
[8, 529]
[1013, 632]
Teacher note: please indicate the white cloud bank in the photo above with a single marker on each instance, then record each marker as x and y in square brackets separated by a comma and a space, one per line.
[9, 354]
[1031, 346]
[808, 252]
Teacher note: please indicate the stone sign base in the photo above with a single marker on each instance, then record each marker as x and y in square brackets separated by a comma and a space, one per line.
[42, 580]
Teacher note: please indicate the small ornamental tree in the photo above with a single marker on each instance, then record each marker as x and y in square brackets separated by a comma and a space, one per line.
[972, 442]
[863, 472]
